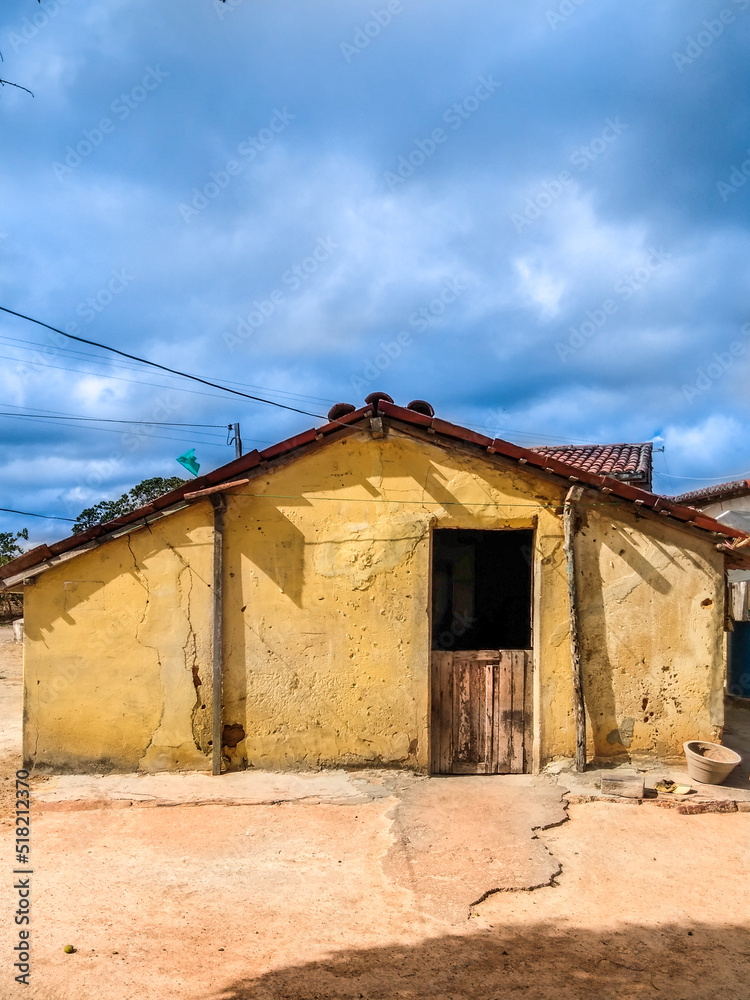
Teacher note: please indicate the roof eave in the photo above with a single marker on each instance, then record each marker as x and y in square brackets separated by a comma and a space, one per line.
[44, 557]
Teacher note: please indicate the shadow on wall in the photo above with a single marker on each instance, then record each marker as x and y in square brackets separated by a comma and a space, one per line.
[648, 573]
[690, 961]
[88, 579]
[263, 537]
[434, 486]
[608, 737]
[609, 650]
[272, 543]
[276, 546]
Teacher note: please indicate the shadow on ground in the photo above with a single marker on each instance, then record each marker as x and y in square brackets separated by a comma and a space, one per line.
[691, 962]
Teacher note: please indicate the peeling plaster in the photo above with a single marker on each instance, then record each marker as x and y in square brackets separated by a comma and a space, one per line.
[351, 551]
[623, 734]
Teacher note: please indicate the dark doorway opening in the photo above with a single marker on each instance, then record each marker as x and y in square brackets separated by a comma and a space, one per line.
[481, 589]
[739, 660]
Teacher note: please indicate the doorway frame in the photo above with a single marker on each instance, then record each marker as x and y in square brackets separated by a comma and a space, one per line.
[527, 524]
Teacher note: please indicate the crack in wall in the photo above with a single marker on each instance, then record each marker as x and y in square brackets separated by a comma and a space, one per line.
[38, 717]
[190, 649]
[183, 726]
[176, 552]
[424, 495]
[143, 581]
[140, 577]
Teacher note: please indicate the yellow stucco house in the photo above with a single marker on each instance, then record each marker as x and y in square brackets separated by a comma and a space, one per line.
[387, 589]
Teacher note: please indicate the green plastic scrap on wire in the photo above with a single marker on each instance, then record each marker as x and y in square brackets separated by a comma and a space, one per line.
[190, 462]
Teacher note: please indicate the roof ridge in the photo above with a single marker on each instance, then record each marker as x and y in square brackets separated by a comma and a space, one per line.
[735, 487]
[531, 457]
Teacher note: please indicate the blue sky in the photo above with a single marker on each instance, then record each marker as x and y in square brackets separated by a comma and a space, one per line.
[532, 214]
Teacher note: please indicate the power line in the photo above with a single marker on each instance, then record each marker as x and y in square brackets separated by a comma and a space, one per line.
[115, 378]
[57, 415]
[192, 439]
[107, 420]
[536, 435]
[155, 364]
[548, 505]
[26, 513]
[27, 345]
[703, 479]
[133, 381]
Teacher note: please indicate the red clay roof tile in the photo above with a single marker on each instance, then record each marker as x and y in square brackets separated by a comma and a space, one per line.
[709, 494]
[627, 461]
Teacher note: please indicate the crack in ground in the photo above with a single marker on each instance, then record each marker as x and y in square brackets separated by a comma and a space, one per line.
[551, 882]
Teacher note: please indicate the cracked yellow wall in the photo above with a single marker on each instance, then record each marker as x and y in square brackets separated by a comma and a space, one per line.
[326, 609]
[112, 637]
[327, 598]
[652, 611]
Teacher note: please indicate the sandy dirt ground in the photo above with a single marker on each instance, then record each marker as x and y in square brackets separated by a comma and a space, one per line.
[361, 884]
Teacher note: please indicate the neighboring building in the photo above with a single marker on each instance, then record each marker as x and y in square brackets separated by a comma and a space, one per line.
[632, 463]
[729, 503]
[387, 589]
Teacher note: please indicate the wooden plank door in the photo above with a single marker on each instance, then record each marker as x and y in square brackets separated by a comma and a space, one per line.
[472, 715]
[481, 712]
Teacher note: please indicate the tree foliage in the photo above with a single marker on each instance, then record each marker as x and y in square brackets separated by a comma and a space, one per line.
[139, 496]
[9, 547]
